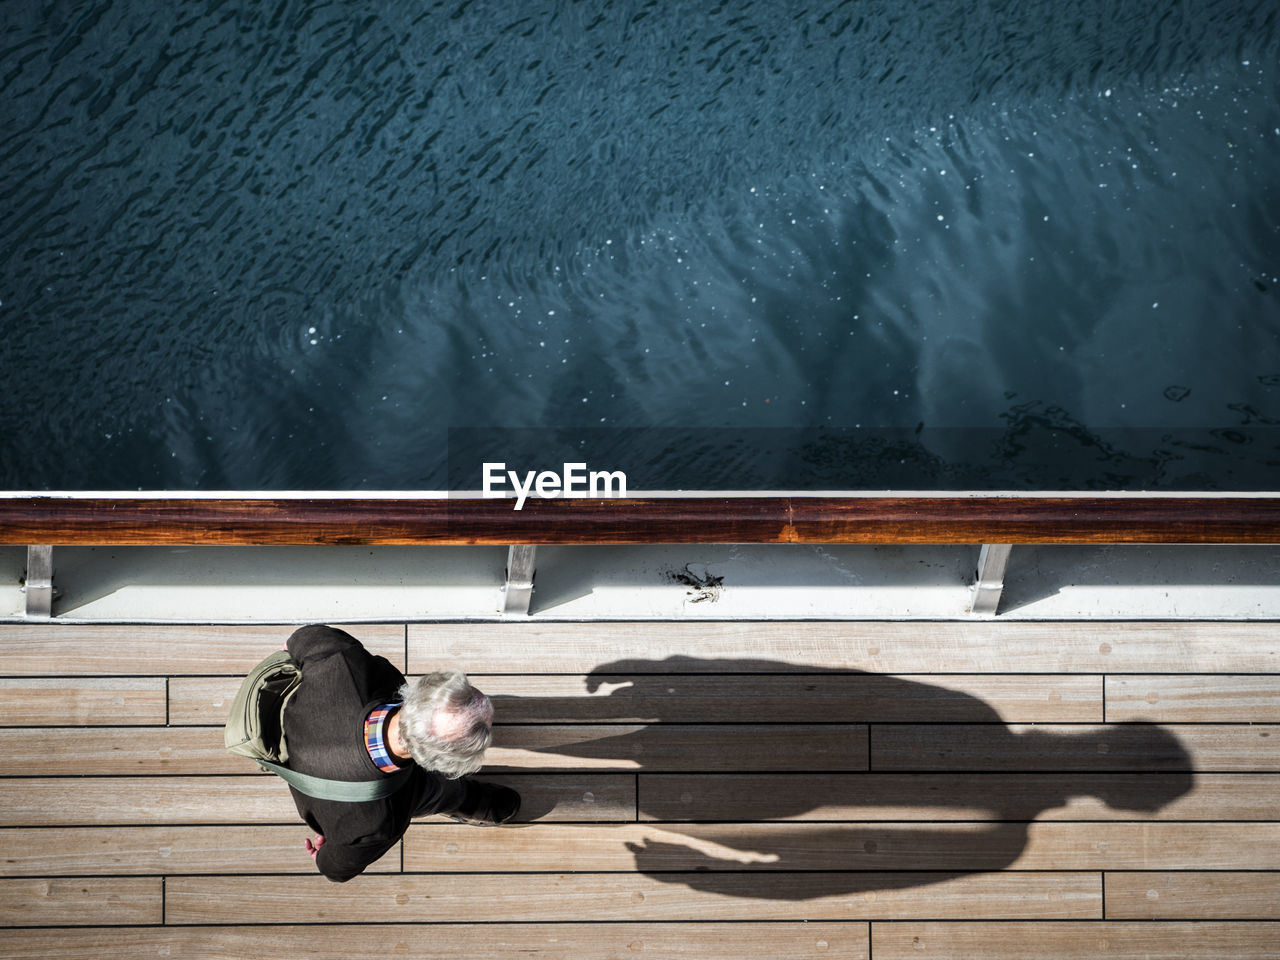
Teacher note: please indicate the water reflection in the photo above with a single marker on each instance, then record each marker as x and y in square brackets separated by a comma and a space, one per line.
[291, 246]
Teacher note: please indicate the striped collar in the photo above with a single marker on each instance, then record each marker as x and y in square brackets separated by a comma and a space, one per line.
[375, 737]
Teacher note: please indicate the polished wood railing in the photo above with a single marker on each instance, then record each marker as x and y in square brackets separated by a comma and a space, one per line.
[128, 521]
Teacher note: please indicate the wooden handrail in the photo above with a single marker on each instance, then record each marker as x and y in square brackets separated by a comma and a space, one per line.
[869, 520]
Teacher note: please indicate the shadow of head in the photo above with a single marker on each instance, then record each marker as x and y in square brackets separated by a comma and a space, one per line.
[1160, 769]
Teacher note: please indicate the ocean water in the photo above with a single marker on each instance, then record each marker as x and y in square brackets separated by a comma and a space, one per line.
[857, 245]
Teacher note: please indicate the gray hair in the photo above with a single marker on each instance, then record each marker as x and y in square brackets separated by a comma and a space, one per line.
[445, 723]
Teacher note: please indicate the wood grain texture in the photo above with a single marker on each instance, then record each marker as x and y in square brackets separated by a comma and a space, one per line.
[152, 751]
[1194, 699]
[671, 747]
[1075, 941]
[85, 521]
[118, 851]
[201, 701]
[58, 650]
[1194, 896]
[1118, 747]
[82, 701]
[155, 520]
[82, 901]
[446, 847]
[452, 941]
[483, 898]
[745, 697]
[924, 519]
[119, 751]
[875, 647]
[739, 698]
[1034, 520]
[969, 796]
[119, 801]
[572, 797]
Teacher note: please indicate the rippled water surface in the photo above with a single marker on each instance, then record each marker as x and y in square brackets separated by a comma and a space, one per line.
[833, 244]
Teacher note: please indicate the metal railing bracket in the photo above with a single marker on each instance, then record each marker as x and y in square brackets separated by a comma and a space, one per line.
[518, 590]
[989, 581]
[37, 585]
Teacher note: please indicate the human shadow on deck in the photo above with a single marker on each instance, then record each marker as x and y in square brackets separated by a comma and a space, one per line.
[718, 829]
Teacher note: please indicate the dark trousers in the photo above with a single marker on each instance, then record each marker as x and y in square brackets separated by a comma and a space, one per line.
[440, 795]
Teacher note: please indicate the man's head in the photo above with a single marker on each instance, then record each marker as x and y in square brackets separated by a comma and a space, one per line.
[446, 723]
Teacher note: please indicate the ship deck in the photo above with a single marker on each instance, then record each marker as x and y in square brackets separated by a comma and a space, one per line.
[727, 789]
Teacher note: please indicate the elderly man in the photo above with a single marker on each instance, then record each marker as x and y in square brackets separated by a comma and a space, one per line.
[354, 717]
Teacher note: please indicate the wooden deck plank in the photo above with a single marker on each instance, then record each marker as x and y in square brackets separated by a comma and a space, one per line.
[452, 941]
[740, 698]
[120, 751]
[118, 851]
[482, 898]
[1119, 747]
[201, 701]
[81, 901]
[795, 698]
[82, 701]
[1194, 896]
[1194, 699]
[971, 796]
[105, 801]
[141, 650]
[1075, 941]
[776, 747]
[679, 747]
[149, 751]
[876, 647]
[553, 848]
[572, 797]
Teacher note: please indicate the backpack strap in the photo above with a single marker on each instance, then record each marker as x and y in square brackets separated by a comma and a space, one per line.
[349, 791]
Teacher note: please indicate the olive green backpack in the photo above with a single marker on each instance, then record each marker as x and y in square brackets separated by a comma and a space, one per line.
[255, 729]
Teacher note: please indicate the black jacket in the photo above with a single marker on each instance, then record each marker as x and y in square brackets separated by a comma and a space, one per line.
[324, 730]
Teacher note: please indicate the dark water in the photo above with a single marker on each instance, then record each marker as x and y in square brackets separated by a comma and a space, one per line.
[830, 244]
